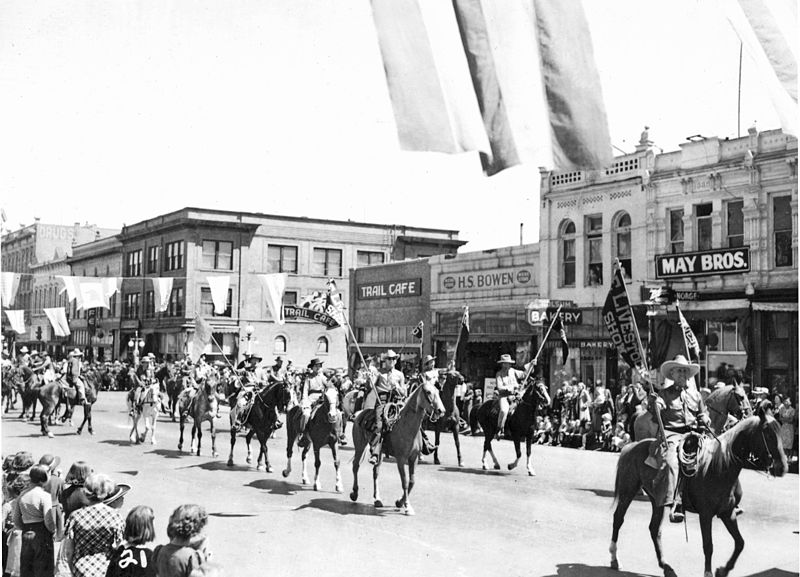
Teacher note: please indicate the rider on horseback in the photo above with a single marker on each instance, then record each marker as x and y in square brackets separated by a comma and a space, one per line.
[74, 376]
[508, 380]
[250, 377]
[388, 382]
[43, 365]
[313, 390]
[681, 408]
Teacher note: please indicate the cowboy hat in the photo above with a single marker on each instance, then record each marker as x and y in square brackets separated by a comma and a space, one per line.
[114, 500]
[313, 362]
[278, 359]
[390, 354]
[506, 359]
[760, 391]
[50, 461]
[427, 359]
[255, 356]
[679, 363]
[76, 353]
[35, 354]
[23, 350]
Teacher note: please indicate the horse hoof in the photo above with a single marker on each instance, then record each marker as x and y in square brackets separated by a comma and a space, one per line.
[461, 464]
[91, 432]
[531, 473]
[339, 488]
[317, 486]
[230, 462]
[79, 431]
[269, 469]
[436, 461]
[50, 435]
[248, 460]
[614, 564]
[354, 496]
[261, 468]
[483, 466]
[511, 466]
[410, 511]
[398, 503]
[721, 572]
[304, 481]
[213, 454]
[285, 473]
[378, 503]
[497, 466]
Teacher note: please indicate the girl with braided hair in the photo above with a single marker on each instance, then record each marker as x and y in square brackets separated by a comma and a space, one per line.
[186, 550]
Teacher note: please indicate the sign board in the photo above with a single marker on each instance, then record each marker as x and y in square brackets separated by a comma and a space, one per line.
[682, 296]
[711, 262]
[539, 317]
[499, 278]
[489, 386]
[291, 312]
[388, 289]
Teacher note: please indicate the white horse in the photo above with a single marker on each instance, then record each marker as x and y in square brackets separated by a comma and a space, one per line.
[144, 403]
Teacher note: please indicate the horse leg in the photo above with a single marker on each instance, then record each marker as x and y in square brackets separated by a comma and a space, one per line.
[317, 464]
[436, 460]
[625, 496]
[732, 525]
[197, 429]
[263, 451]
[708, 542]
[304, 476]
[359, 443]
[403, 501]
[655, 535]
[213, 440]
[335, 453]
[133, 436]
[249, 437]
[518, 451]
[181, 422]
[291, 435]
[233, 442]
[153, 420]
[43, 414]
[528, 451]
[376, 491]
[458, 445]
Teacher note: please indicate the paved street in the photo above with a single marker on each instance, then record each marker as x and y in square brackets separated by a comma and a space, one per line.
[469, 522]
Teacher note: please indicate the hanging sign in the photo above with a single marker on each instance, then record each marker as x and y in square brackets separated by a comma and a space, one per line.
[687, 264]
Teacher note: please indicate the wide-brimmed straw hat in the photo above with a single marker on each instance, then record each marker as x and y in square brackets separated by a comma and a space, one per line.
[679, 363]
[506, 359]
[115, 498]
[76, 353]
[760, 391]
[314, 362]
[23, 350]
[390, 354]
[427, 359]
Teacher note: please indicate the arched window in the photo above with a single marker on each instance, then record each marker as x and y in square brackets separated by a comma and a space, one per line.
[279, 346]
[567, 249]
[322, 346]
[622, 241]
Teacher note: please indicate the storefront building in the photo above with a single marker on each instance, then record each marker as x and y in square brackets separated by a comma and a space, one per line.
[497, 285]
[388, 303]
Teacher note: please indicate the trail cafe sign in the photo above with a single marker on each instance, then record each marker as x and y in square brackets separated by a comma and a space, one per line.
[397, 288]
[486, 279]
[724, 261]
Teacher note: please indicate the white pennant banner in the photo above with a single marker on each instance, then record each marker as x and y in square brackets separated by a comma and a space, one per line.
[17, 320]
[9, 282]
[274, 287]
[92, 294]
[219, 292]
[162, 287]
[111, 285]
[58, 318]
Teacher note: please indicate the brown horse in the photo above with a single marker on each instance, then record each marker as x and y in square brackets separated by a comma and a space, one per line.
[754, 443]
[450, 422]
[58, 392]
[323, 430]
[519, 424]
[201, 407]
[27, 384]
[262, 421]
[722, 403]
[403, 442]
[91, 381]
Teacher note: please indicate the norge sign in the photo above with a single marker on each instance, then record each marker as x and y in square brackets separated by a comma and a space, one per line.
[725, 261]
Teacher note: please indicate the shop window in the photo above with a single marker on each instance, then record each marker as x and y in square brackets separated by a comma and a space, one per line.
[322, 346]
[623, 244]
[567, 235]
[134, 264]
[282, 259]
[594, 240]
[279, 345]
[366, 258]
[676, 231]
[724, 337]
[327, 262]
[207, 304]
[782, 226]
[218, 254]
[735, 223]
[702, 214]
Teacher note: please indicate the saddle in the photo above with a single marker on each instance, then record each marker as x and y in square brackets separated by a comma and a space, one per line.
[391, 412]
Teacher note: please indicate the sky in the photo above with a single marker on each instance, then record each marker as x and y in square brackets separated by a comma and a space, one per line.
[115, 112]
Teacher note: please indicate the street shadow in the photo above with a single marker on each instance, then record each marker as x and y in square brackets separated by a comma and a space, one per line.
[581, 570]
[132, 473]
[610, 494]
[774, 572]
[231, 515]
[476, 471]
[169, 453]
[117, 442]
[343, 507]
[275, 486]
[218, 466]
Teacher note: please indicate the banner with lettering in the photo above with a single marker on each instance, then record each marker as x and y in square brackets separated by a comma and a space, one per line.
[621, 324]
[319, 307]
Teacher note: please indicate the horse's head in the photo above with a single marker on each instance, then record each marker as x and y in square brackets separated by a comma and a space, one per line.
[332, 399]
[766, 447]
[741, 403]
[432, 401]
[535, 393]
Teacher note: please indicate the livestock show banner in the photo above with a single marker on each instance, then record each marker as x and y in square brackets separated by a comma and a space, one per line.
[618, 316]
[724, 261]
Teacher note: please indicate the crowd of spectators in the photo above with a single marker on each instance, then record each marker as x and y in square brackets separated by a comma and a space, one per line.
[75, 526]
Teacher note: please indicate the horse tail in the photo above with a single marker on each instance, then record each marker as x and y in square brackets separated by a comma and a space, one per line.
[628, 479]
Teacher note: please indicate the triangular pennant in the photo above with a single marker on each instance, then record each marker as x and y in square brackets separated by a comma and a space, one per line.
[58, 318]
[9, 283]
[17, 320]
[92, 294]
[219, 292]
[162, 287]
[274, 288]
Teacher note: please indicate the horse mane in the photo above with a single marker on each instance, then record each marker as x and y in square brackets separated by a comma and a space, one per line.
[412, 396]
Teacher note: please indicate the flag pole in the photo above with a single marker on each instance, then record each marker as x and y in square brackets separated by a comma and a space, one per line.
[458, 339]
[361, 356]
[683, 334]
[541, 346]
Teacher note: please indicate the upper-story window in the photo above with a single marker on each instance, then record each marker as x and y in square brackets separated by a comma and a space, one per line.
[594, 241]
[676, 231]
[149, 304]
[567, 236]
[279, 344]
[173, 255]
[290, 297]
[131, 306]
[622, 241]
[218, 254]
[366, 258]
[134, 263]
[282, 258]
[735, 223]
[207, 303]
[702, 215]
[322, 346]
[327, 262]
[175, 305]
[152, 259]
[782, 229]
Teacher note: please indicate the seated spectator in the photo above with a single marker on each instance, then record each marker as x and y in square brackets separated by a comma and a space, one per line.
[620, 438]
[539, 433]
[606, 432]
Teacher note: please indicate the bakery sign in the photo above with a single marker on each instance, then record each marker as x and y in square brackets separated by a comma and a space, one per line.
[711, 262]
[487, 279]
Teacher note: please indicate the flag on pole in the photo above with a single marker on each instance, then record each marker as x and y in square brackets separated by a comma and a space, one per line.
[17, 320]
[58, 318]
[463, 339]
[335, 306]
[202, 336]
[558, 327]
[688, 336]
[9, 283]
[417, 332]
[162, 289]
[621, 324]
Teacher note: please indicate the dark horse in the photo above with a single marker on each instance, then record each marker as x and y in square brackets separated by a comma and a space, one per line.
[452, 417]
[174, 384]
[754, 443]
[9, 389]
[323, 430]
[27, 384]
[519, 424]
[58, 392]
[262, 421]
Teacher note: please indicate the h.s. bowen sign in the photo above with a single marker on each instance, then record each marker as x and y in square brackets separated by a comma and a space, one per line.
[486, 279]
[724, 261]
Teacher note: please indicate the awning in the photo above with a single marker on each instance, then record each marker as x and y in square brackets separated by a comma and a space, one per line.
[715, 305]
[775, 307]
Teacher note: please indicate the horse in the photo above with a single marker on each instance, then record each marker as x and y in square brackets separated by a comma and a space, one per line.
[722, 403]
[28, 388]
[69, 398]
[9, 389]
[144, 402]
[322, 430]
[403, 442]
[519, 424]
[175, 385]
[201, 407]
[753, 443]
[451, 422]
[262, 421]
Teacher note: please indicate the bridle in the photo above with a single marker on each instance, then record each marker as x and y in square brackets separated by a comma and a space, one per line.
[430, 412]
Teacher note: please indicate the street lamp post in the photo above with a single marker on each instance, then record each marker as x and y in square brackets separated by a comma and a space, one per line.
[136, 343]
[249, 330]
